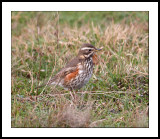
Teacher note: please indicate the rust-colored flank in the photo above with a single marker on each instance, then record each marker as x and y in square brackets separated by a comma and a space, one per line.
[71, 75]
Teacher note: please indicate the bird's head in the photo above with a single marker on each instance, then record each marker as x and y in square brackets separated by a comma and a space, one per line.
[87, 50]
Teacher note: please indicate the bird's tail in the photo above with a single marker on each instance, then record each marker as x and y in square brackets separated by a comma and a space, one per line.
[45, 84]
[50, 82]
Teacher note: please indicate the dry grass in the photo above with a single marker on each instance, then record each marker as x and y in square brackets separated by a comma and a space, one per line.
[117, 94]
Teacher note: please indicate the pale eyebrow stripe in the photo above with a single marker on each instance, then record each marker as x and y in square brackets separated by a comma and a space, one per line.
[85, 48]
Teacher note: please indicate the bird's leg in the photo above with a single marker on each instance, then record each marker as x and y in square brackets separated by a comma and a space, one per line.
[74, 94]
[77, 97]
[71, 95]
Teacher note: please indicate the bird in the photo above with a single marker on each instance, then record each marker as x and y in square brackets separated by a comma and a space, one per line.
[78, 71]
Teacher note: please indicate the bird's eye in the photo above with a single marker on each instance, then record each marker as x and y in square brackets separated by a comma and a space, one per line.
[89, 50]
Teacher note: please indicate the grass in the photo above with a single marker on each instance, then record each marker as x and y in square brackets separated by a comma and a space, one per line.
[117, 95]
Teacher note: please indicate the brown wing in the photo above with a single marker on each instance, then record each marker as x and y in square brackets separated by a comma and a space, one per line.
[73, 62]
[66, 73]
[71, 75]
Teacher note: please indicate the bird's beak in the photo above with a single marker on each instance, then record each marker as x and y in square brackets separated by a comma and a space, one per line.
[98, 49]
